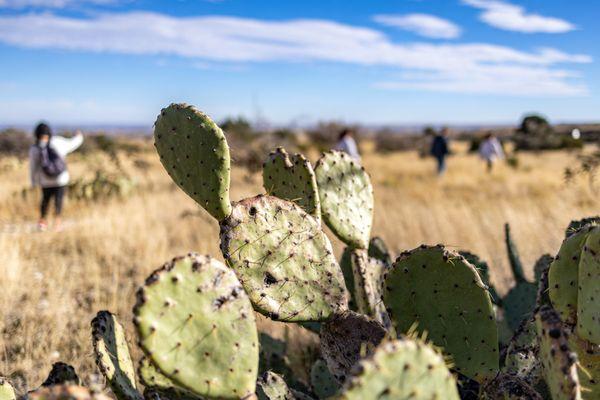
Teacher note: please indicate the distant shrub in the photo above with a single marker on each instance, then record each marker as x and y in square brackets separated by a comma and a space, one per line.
[387, 141]
[536, 133]
[15, 142]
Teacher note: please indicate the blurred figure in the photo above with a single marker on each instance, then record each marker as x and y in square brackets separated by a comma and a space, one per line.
[48, 169]
[347, 144]
[490, 150]
[439, 150]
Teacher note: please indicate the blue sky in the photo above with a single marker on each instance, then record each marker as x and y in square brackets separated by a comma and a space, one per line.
[299, 61]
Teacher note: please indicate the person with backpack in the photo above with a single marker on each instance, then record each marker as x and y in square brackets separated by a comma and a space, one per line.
[439, 150]
[48, 169]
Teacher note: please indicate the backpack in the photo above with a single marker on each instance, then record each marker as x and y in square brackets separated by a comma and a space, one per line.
[51, 162]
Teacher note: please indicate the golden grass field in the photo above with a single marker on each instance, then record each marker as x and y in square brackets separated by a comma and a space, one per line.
[54, 283]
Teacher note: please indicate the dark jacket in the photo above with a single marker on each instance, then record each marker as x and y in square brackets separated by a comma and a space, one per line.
[439, 147]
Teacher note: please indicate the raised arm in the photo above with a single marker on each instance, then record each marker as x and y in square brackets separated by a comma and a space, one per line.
[74, 142]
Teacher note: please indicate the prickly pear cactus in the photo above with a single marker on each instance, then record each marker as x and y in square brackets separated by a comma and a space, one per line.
[484, 273]
[291, 177]
[271, 386]
[346, 197]
[65, 392]
[158, 386]
[7, 392]
[541, 265]
[196, 325]
[559, 362]
[443, 294]
[522, 354]
[575, 225]
[588, 355]
[543, 290]
[346, 266]
[513, 256]
[401, 369]
[194, 151]
[347, 338]
[273, 355]
[509, 387]
[379, 251]
[112, 356]
[368, 285]
[588, 295]
[62, 373]
[563, 276]
[283, 259]
[323, 383]
[519, 303]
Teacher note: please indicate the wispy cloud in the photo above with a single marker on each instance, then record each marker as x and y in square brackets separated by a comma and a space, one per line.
[493, 68]
[422, 24]
[511, 17]
[51, 3]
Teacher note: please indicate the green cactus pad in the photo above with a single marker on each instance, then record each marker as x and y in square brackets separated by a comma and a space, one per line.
[273, 355]
[576, 225]
[283, 259]
[61, 373]
[271, 386]
[196, 325]
[346, 197]
[509, 387]
[541, 265]
[443, 294]
[588, 355]
[194, 151]
[522, 354]
[291, 177]
[588, 296]
[323, 383]
[346, 266]
[345, 339]
[543, 291]
[112, 356]
[401, 369]
[559, 362]
[159, 386]
[513, 256]
[505, 334]
[7, 392]
[484, 273]
[519, 303]
[563, 277]
[368, 285]
[379, 250]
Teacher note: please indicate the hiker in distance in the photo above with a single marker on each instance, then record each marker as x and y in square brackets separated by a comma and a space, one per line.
[48, 170]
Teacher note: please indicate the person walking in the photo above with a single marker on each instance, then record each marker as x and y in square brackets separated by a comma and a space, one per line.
[490, 150]
[439, 150]
[347, 144]
[48, 169]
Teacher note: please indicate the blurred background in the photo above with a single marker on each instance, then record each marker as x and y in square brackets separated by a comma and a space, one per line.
[395, 74]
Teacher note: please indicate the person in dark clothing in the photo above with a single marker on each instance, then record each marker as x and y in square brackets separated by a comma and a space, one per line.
[439, 150]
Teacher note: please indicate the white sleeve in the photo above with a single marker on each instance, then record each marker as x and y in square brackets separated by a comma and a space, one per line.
[65, 145]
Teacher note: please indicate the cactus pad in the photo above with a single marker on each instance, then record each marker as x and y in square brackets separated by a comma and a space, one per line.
[509, 387]
[271, 386]
[159, 386]
[588, 355]
[346, 197]
[519, 303]
[541, 265]
[513, 256]
[378, 250]
[347, 338]
[7, 392]
[112, 356]
[65, 392]
[559, 362]
[283, 259]
[323, 383]
[588, 296]
[194, 151]
[522, 354]
[346, 266]
[484, 273]
[443, 294]
[291, 177]
[368, 285]
[563, 277]
[576, 225]
[62, 373]
[401, 369]
[196, 324]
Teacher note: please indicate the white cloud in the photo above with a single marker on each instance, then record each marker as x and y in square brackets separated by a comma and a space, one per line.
[494, 68]
[511, 17]
[422, 24]
[50, 3]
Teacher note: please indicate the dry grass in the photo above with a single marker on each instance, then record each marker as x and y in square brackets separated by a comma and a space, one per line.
[53, 284]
